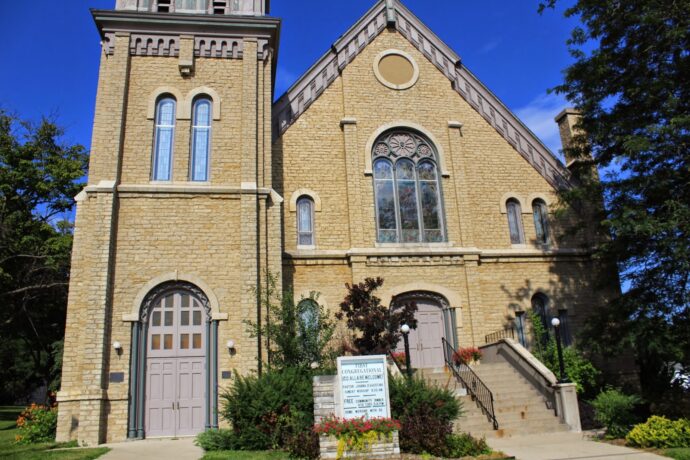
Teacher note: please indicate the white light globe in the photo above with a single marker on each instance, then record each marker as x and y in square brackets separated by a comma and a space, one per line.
[230, 344]
[117, 345]
[405, 328]
[555, 322]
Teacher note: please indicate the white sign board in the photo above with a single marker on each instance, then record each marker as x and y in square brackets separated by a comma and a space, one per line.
[363, 385]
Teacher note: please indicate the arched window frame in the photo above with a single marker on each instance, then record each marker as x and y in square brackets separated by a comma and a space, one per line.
[392, 154]
[200, 152]
[305, 233]
[541, 306]
[162, 161]
[540, 213]
[515, 227]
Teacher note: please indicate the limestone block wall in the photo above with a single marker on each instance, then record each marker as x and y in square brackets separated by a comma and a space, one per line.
[132, 233]
[479, 271]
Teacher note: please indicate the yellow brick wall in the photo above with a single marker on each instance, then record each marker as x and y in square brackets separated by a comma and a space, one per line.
[314, 156]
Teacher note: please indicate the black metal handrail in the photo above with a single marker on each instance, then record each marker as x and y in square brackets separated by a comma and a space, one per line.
[507, 333]
[479, 392]
[395, 361]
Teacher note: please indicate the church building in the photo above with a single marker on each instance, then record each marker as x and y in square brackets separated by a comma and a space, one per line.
[387, 158]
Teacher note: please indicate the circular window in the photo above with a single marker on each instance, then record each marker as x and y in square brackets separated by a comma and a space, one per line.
[396, 69]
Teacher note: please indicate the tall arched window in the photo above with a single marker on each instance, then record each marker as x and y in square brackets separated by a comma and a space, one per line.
[407, 189]
[541, 221]
[201, 139]
[164, 139]
[305, 221]
[514, 211]
[540, 306]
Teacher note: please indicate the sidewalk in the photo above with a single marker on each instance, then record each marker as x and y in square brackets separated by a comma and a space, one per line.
[565, 446]
[155, 449]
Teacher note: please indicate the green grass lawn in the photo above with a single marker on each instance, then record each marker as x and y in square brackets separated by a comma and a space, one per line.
[682, 453]
[245, 455]
[10, 450]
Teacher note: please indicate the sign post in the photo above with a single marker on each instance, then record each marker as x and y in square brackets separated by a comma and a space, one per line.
[363, 385]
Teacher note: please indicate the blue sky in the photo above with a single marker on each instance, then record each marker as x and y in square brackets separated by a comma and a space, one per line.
[51, 52]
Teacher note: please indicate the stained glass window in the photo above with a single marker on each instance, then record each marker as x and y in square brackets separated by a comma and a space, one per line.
[541, 221]
[407, 189]
[305, 221]
[514, 210]
[164, 139]
[201, 140]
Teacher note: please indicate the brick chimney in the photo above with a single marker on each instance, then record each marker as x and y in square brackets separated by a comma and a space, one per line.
[567, 121]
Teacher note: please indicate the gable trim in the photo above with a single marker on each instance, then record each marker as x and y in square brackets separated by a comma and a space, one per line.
[314, 82]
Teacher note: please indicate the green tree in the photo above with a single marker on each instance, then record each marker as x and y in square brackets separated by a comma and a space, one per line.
[630, 82]
[297, 334]
[376, 327]
[39, 176]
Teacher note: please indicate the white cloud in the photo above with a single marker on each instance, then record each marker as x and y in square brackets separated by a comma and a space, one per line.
[539, 116]
[490, 45]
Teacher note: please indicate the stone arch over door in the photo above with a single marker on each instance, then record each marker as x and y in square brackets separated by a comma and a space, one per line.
[436, 320]
[174, 363]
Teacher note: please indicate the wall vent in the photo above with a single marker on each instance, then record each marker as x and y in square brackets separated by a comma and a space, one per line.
[163, 6]
[220, 6]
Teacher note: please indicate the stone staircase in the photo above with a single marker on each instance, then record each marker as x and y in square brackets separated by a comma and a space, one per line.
[519, 408]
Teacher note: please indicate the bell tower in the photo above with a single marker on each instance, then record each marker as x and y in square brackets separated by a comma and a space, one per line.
[179, 197]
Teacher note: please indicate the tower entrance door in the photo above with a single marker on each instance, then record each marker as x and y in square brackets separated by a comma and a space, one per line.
[176, 366]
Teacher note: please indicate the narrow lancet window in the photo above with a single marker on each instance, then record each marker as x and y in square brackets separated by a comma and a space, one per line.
[201, 140]
[164, 139]
[541, 221]
[305, 222]
[514, 210]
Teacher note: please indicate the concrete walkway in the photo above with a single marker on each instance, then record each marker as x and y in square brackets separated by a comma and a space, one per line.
[565, 446]
[155, 449]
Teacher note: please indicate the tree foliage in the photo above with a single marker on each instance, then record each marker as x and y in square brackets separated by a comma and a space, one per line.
[39, 176]
[297, 334]
[376, 327]
[630, 82]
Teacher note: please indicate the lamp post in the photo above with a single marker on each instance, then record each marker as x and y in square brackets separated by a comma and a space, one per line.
[405, 329]
[556, 323]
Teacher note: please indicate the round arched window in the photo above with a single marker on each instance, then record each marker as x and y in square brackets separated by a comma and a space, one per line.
[407, 189]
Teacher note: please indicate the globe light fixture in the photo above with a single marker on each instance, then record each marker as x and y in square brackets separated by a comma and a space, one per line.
[556, 323]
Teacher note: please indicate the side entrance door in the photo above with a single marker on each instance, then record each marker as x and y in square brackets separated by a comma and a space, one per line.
[426, 348]
[175, 367]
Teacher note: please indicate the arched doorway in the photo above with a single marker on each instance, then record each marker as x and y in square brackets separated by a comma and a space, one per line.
[174, 364]
[435, 321]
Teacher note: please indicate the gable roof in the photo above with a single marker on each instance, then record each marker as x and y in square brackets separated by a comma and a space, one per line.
[392, 13]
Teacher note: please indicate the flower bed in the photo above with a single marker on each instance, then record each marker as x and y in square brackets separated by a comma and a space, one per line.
[360, 437]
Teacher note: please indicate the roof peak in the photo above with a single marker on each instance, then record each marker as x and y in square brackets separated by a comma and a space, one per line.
[395, 15]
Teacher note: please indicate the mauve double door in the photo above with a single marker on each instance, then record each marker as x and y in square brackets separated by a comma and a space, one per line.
[176, 367]
[426, 347]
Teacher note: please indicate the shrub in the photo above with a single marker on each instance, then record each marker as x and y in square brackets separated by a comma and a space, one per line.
[426, 413]
[578, 368]
[267, 412]
[304, 445]
[660, 433]
[464, 445]
[36, 424]
[375, 327]
[614, 410]
[212, 440]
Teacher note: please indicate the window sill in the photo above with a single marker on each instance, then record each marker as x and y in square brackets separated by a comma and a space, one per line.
[444, 244]
[306, 248]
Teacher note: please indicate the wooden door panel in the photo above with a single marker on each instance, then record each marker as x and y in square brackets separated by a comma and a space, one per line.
[160, 397]
[191, 397]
